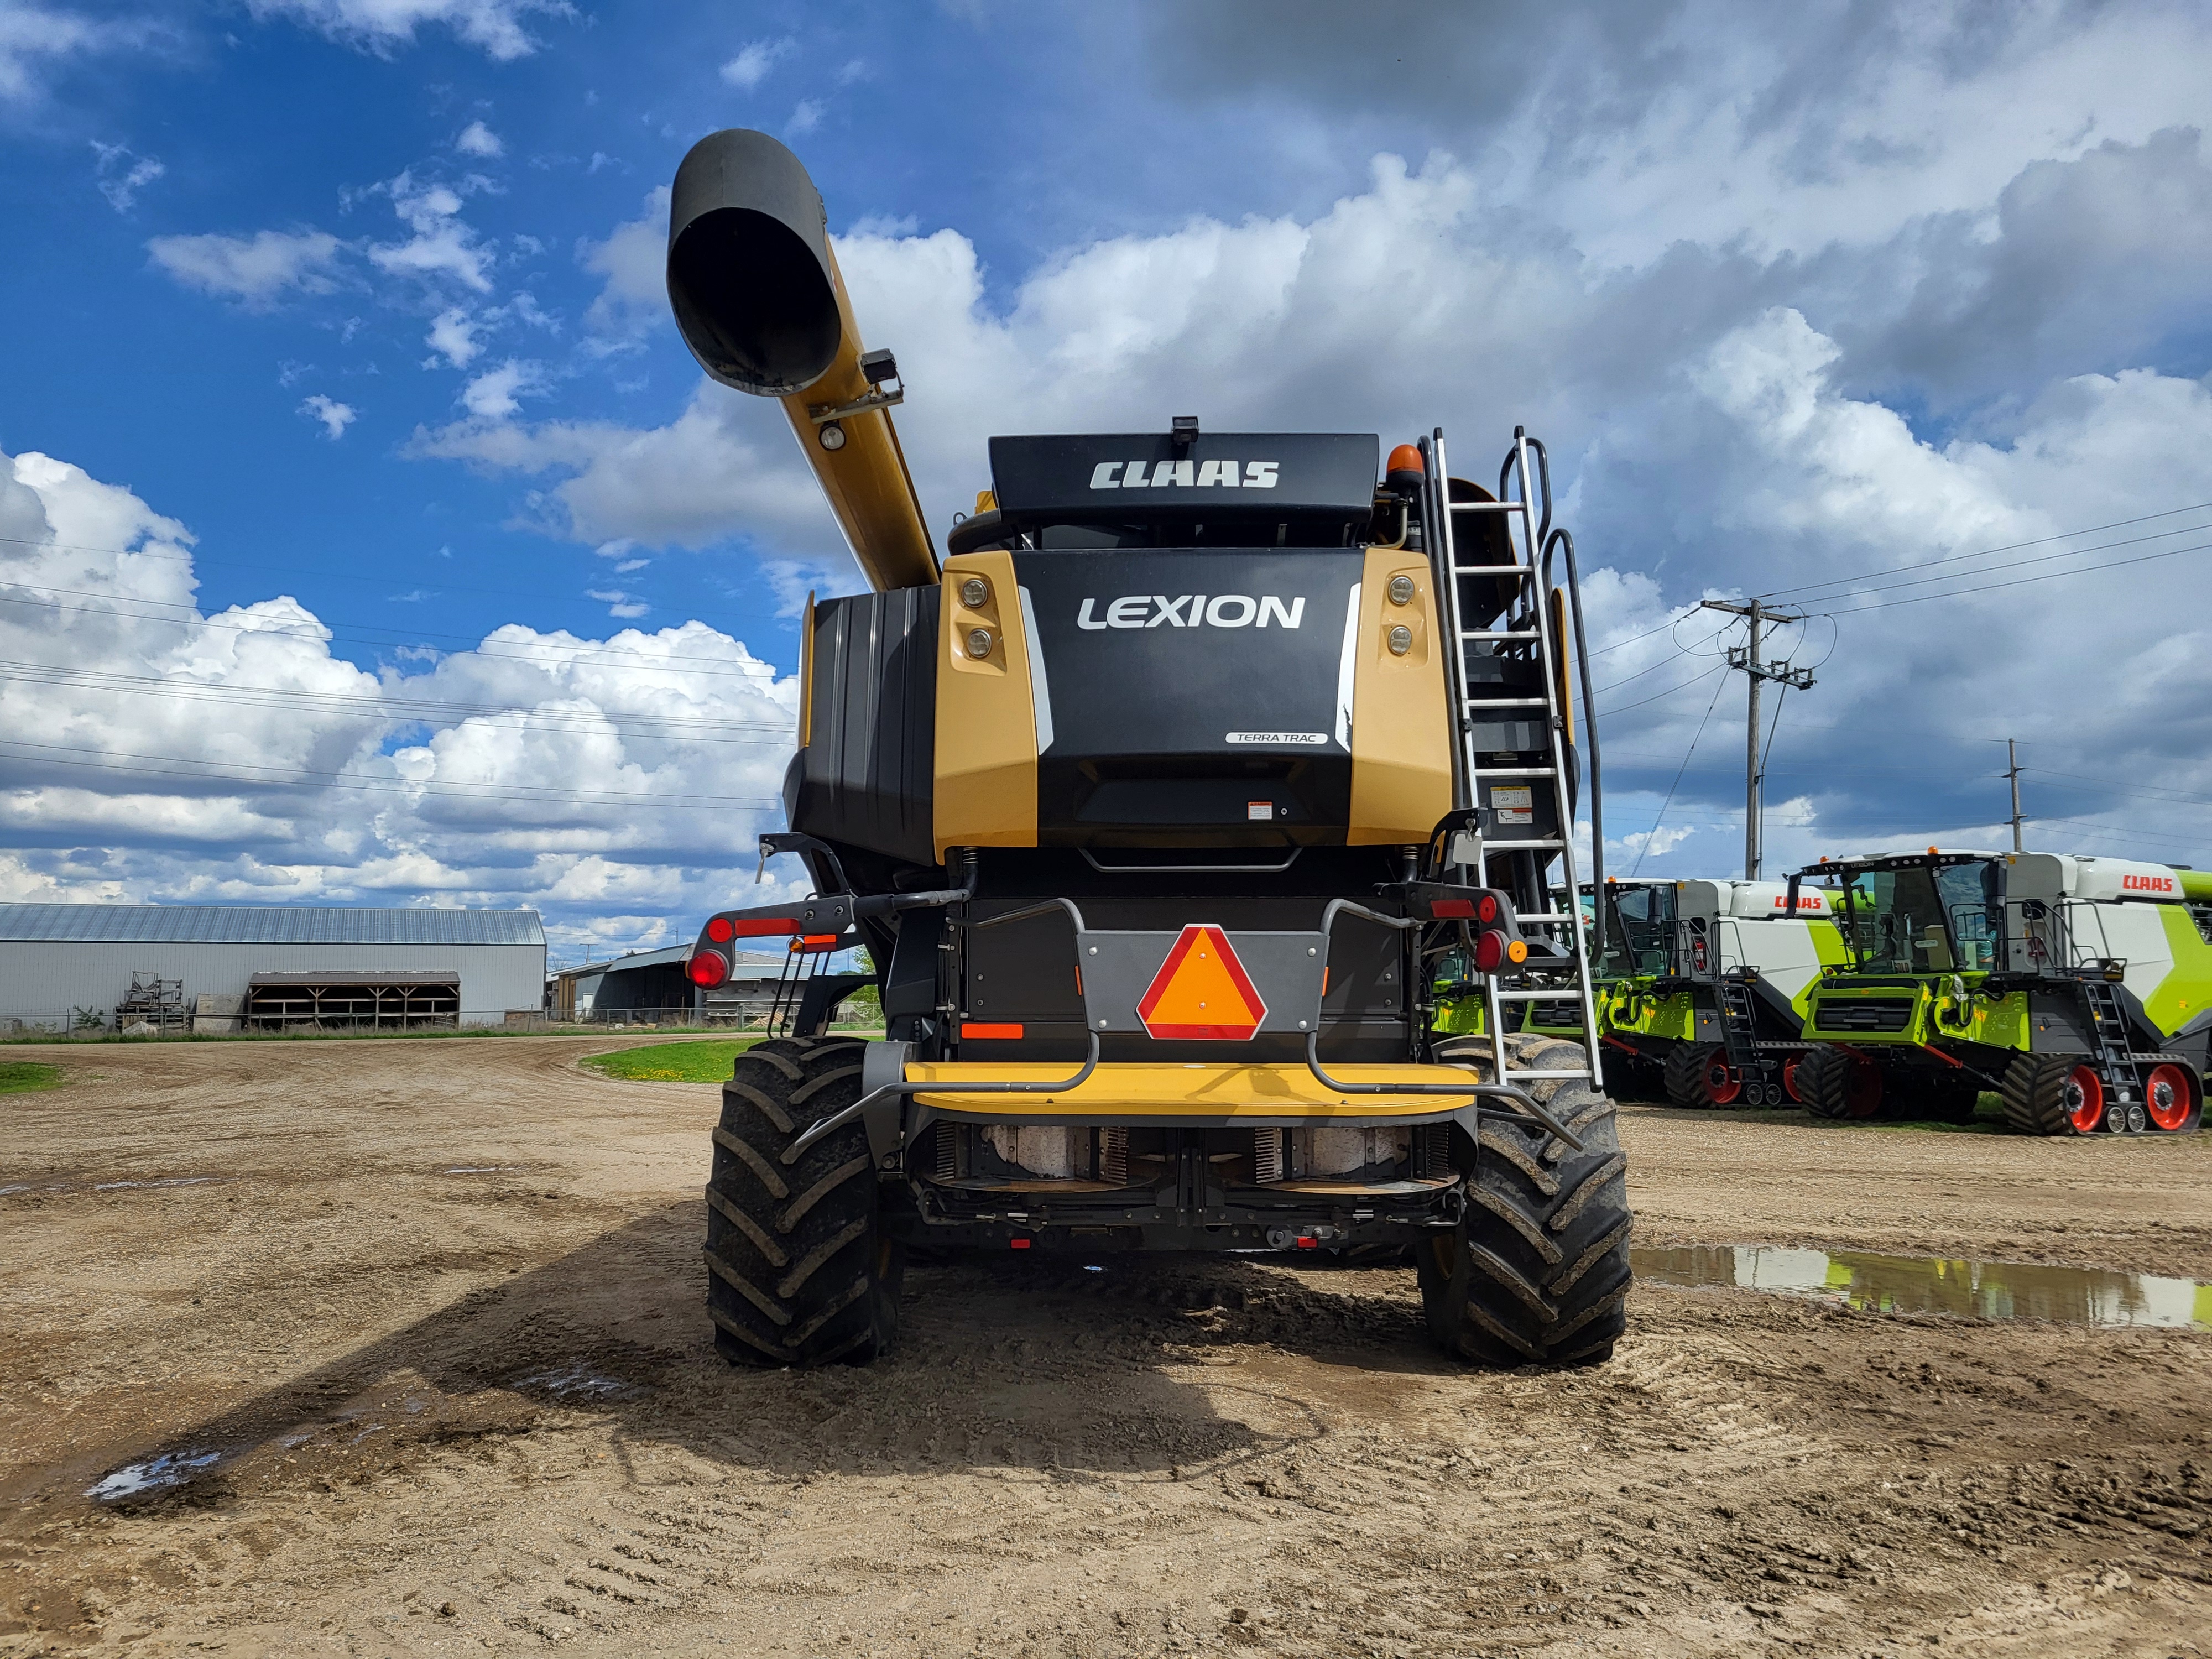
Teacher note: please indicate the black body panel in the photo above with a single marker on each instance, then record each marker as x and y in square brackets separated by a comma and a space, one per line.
[867, 776]
[1223, 727]
[1235, 488]
[1025, 973]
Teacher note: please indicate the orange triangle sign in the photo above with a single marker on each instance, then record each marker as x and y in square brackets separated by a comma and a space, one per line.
[1201, 992]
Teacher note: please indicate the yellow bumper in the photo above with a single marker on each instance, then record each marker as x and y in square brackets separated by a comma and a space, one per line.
[1214, 1091]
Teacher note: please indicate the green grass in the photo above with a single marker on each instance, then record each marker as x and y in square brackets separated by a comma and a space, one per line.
[20, 1077]
[673, 1062]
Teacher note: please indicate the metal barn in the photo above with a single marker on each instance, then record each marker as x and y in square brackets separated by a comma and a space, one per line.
[228, 968]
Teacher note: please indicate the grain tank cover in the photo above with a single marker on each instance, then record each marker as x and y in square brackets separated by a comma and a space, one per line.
[749, 266]
[1215, 489]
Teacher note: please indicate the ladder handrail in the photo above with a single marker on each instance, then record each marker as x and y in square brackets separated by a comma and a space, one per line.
[1531, 569]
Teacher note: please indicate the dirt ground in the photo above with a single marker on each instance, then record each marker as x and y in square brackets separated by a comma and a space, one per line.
[422, 1324]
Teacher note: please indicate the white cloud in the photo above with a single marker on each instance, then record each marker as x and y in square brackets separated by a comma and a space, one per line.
[496, 25]
[751, 66]
[255, 269]
[452, 336]
[633, 260]
[478, 139]
[443, 245]
[121, 174]
[805, 116]
[497, 392]
[34, 36]
[335, 416]
[615, 783]
[618, 603]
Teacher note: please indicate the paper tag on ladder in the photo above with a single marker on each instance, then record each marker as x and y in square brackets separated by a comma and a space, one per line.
[1513, 804]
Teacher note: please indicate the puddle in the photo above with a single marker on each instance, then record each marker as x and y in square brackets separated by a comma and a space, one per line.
[1932, 1284]
[577, 1381]
[169, 1470]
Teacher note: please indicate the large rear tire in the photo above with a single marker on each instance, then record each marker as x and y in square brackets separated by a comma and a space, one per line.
[799, 1272]
[1701, 1076]
[2174, 1096]
[1835, 1083]
[1537, 1271]
[2053, 1094]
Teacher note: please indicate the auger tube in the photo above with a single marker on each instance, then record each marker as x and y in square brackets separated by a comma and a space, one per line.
[757, 296]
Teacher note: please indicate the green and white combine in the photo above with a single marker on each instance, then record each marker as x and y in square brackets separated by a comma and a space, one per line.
[2079, 988]
[1701, 990]
[1703, 987]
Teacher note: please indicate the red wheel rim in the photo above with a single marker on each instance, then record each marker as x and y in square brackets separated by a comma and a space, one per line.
[1720, 1087]
[1863, 1097]
[2167, 1096]
[1790, 1079]
[2085, 1100]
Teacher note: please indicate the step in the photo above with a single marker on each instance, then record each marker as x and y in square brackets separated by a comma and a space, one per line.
[1514, 772]
[1563, 993]
[1490, 846]
[1476, 704]
[1494, 633]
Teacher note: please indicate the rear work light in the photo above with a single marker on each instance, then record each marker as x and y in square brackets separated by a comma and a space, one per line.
[706, 967]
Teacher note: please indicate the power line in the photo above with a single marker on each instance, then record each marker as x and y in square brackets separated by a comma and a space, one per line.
[647, 661]
[303, 778]
[396, 710]
[1651, 833]
[1990, 552]
[2046, 576]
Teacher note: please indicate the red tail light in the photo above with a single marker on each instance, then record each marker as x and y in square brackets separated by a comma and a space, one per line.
[721, 930]
[707, 968]
[1489, 952]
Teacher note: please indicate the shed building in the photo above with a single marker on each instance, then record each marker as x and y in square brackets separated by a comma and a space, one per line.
[233, 967]
[652, 986]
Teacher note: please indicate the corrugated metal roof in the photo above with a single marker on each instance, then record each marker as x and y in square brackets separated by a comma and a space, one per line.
[263, 924]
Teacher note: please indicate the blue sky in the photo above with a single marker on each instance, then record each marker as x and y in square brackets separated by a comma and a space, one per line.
[347, 311]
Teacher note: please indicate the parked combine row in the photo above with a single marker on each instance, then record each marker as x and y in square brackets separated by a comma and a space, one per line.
[2080, 988]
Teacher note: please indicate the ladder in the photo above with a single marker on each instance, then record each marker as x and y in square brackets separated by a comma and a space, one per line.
[1739, 1022]
[1516, 785]
[2108, 1029]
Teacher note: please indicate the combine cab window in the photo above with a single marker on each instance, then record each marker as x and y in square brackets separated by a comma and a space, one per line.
[1902, 922]
[1640, 937]
[1975, 906]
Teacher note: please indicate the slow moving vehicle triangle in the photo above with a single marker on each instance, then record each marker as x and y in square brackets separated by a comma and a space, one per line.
[1201, 992]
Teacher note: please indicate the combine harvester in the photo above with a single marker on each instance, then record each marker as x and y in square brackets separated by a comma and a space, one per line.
[2080, 988]
[1705, 984]
[1701, 990]
[1152, 801]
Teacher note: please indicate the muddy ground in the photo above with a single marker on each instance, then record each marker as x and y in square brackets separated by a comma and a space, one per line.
[421, 1323]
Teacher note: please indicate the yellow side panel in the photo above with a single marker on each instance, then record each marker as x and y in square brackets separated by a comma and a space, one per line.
[1401, 724]
[1168, 1091]
[987, 748]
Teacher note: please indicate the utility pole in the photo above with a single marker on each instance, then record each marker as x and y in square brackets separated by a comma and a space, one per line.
[1747, 657]
[2012, 771]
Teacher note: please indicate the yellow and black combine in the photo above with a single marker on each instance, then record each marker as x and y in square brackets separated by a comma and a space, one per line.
[1158, 802]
